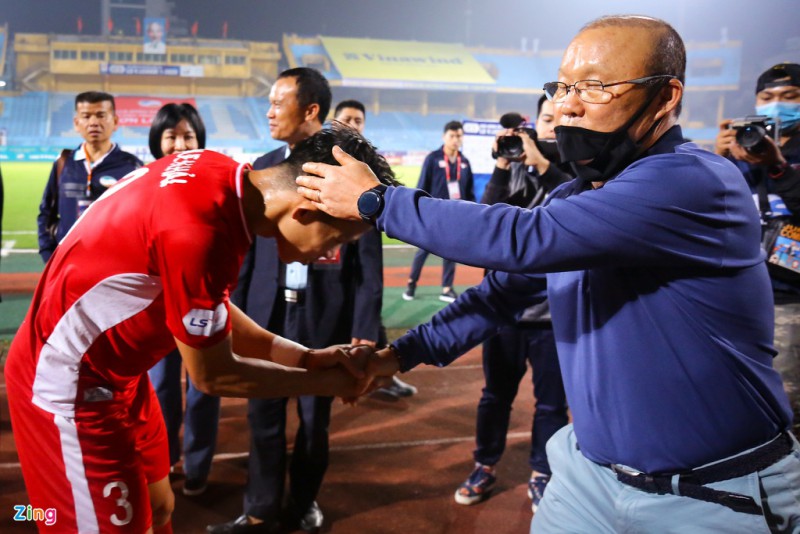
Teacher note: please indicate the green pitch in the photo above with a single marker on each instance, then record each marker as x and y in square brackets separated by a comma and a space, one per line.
[24, 183]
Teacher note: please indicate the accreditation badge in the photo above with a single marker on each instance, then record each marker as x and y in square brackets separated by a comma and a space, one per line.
[453, 190]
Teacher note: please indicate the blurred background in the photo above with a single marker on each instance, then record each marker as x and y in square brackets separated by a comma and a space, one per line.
[415, 64]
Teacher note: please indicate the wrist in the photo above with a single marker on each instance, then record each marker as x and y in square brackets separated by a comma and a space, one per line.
[290, 353]
[542, 166]
[391, 360]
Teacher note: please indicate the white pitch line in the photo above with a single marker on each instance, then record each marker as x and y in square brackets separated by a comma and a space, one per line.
[7, 247]
[22, 250]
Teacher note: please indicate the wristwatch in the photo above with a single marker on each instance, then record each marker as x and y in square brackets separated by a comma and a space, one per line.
[370, 203]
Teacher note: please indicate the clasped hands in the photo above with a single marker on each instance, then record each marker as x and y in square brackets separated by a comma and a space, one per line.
[367, 368]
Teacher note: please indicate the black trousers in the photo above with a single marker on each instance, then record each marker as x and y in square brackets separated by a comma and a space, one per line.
[264, 493]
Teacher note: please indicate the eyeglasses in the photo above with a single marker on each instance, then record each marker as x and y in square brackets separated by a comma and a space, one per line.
[592, 91]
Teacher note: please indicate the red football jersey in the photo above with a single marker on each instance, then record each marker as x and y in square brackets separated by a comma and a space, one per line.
[155, 257]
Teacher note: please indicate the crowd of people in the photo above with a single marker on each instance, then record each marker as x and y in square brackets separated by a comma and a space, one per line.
[633, 271]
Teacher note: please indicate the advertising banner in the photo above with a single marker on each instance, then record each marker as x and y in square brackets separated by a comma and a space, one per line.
[139, 111]
[368, 62]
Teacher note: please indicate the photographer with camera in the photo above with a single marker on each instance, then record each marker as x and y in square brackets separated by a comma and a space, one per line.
[766, 148]
[527, 170]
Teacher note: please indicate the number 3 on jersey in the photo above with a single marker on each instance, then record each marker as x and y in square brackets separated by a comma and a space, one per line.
[122, 502]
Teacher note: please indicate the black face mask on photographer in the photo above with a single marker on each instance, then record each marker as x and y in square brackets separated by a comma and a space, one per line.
[609, 152]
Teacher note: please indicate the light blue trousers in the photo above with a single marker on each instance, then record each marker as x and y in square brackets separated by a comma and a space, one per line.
[584, 497]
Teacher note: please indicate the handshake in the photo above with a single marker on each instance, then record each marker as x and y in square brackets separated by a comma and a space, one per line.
[352, 371]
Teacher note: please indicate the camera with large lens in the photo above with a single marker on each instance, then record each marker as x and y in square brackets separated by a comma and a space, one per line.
[510, 146]
[752, 131]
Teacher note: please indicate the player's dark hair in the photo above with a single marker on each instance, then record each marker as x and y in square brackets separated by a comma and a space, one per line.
[344, 104]
[318, 148]
[453, 125]
[95, 97]
[168, 117]
[312, 88]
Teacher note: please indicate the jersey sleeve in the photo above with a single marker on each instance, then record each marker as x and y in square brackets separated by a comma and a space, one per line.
[198, 268]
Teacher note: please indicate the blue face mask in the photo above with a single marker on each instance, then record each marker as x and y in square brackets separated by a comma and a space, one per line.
[787, 112]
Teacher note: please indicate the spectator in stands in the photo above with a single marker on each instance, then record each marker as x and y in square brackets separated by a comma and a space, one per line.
[526, 184]
[332, 300]
[80, 176]
[446, 173]
[772, 168]
[658, 292]
[177, 128]
[354, 114]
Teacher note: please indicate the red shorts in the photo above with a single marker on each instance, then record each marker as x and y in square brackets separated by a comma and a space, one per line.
[90, 473]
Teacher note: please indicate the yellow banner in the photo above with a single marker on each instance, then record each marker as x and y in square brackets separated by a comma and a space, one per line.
[406, 62]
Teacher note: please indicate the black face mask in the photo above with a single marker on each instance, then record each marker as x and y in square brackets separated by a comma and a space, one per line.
[609, 152]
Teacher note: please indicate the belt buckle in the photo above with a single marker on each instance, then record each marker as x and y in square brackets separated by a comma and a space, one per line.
[617, 468]
[290, 295]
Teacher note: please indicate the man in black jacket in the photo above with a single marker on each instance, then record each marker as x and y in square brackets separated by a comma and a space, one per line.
[331, 301]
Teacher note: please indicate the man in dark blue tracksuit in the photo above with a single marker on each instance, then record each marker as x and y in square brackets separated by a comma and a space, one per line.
[446, 173]
[80, 176]
[659, 295]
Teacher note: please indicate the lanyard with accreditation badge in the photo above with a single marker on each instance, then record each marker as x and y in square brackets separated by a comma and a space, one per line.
[452, 187]
[84, 203]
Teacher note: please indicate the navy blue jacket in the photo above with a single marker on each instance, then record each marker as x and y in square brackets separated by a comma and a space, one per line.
[433, 176]
[342, 300]
[660, 299]
[71, 187]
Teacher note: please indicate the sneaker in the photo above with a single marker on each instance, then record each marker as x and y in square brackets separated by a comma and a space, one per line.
[194, 486]
[536, 487]
[448, 296]
[410, 290]
[478, 486]
[398, 389]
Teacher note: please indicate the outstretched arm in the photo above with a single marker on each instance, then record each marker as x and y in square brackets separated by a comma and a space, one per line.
[216, 370]
[253, 362]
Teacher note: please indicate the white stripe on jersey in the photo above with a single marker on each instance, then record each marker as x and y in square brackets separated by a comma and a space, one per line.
[85, 515]
[106, 305]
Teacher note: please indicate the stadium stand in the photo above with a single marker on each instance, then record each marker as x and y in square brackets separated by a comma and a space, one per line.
[233, 104]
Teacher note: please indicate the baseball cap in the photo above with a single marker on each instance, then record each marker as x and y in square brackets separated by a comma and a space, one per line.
[778, 75]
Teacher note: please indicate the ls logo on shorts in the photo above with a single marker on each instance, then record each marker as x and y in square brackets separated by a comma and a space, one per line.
[206, 322]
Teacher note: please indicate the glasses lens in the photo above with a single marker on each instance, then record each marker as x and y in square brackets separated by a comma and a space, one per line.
[555, 91]
[591, 91]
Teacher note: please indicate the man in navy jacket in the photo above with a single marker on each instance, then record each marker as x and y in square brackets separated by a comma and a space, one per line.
[331, 301]
[658, 291]
[446, 173]
[80, 176]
